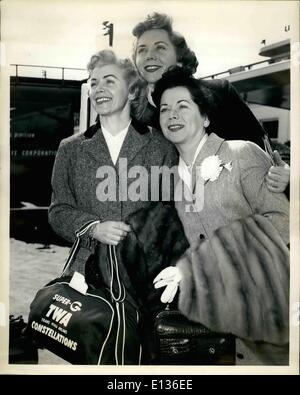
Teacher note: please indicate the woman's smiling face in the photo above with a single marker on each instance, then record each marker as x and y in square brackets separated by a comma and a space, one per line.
[108, 89]
[154, 54]
[180, 119]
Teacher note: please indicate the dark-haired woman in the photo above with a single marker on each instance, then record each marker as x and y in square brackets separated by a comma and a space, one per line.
[158, 47]
[235, 276]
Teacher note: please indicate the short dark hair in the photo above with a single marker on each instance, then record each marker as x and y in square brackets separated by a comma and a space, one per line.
[162, 21]
[179, 76]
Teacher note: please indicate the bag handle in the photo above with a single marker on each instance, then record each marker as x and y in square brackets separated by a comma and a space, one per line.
[114, 265]
[80, 232]
[115, 276]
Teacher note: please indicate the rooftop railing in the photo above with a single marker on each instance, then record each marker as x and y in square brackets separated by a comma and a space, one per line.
[49, 72]
[250, 66]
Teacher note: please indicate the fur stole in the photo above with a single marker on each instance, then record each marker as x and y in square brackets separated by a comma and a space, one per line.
[238, 282]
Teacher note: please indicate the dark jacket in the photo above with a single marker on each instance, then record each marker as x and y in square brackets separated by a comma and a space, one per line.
[230, 117]
[157, 240]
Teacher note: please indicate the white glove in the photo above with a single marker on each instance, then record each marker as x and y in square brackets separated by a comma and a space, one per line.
[169, 277]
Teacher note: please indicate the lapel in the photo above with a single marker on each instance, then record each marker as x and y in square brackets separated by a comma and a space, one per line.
[133, 143]
[96, 147]
[211, 147]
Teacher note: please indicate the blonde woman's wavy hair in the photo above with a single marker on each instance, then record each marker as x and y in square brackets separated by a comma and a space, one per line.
[108, 57]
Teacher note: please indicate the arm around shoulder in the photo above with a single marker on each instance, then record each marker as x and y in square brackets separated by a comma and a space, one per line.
[254, 166]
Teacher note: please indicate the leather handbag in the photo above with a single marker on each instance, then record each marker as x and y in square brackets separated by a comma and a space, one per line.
[183, 342]
[81, 324]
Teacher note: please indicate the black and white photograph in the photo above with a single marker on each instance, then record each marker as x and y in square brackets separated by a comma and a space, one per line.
[149, 193]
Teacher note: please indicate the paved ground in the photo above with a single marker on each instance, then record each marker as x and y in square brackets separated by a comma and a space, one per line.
[32, 266]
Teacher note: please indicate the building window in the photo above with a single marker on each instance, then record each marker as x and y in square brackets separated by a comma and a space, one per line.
[271, 127]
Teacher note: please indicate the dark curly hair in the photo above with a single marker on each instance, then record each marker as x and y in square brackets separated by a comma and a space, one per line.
[162, 21]
[179, 76]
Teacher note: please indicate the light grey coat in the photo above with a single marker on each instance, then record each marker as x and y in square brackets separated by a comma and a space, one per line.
[237, 193]
[234, 196]
[75, 179]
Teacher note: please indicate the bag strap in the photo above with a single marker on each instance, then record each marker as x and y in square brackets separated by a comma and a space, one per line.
[113, 261]
[115, 277]
[79, 233]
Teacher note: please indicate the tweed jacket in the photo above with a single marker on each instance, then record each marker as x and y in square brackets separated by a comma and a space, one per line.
[77, 175]
[230, 117]
[236, 193]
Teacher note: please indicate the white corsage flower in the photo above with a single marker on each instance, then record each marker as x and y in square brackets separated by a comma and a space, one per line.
[228, 166]
[212, 166]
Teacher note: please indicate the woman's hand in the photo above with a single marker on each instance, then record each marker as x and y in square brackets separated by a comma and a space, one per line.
[110, 232]
[278, 176]
[169, 277]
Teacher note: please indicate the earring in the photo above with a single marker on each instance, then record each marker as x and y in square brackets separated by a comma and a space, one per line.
[206, 123]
